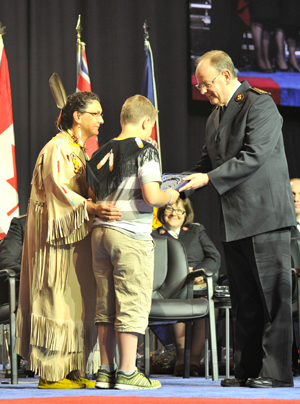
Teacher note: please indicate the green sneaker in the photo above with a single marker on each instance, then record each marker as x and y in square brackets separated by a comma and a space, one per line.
[135, 382]
[105, 380]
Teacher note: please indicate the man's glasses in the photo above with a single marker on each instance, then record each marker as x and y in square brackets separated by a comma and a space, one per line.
[95, 114]
[206, 85]
[178, 211]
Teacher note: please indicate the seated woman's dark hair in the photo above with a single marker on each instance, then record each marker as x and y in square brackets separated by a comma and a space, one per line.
[76, 102]
[187, 205]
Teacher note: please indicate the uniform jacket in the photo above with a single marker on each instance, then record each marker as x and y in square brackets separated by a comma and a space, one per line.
[246, 163]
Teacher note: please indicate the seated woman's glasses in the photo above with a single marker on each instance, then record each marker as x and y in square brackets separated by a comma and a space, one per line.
[178, 211]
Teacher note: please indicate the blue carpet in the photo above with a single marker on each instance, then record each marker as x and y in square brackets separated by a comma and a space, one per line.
[171, 387]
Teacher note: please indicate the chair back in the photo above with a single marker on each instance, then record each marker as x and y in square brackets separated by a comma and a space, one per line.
[295, 252]
[4, 314]
[170, 268]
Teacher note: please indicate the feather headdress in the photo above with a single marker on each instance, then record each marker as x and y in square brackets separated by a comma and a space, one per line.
[58, 92]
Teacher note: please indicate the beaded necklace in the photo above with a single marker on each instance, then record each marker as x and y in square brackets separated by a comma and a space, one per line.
[75, 139]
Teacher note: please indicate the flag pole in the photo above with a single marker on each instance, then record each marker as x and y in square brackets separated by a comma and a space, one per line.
[146, 32]
[149, 91]
[83, 82]
[147, 46]
[79, 46]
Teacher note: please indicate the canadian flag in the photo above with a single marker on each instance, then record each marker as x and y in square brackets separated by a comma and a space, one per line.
[8, 172]
[84, 84]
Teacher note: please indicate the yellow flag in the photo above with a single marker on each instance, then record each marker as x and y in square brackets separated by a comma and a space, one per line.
[156, 223]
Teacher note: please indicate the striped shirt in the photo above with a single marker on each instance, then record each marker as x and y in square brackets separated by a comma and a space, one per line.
[137, 215]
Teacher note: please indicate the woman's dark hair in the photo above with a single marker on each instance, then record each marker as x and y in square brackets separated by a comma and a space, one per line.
[187, 205]
[76, 102]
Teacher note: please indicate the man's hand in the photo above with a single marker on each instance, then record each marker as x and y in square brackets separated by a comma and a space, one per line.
[197, 180]
[107, 212]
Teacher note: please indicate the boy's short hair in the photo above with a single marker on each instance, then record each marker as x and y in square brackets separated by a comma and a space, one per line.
[136, 108]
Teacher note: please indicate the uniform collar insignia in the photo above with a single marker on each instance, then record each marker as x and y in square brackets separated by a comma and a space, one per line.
[239, 97]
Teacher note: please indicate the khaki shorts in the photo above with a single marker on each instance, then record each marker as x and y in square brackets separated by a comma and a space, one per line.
[123, 269]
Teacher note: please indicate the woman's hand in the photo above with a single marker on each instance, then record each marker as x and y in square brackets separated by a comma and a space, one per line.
[199, 279]
[105, 211]
[108, 212]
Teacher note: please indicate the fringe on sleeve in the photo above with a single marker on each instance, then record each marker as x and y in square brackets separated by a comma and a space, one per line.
[70, 228]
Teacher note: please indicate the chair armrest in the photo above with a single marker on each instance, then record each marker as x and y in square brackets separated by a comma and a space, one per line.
[8, 273]
[222, 278]
[200, 272]
[208, 275]
[296, 271]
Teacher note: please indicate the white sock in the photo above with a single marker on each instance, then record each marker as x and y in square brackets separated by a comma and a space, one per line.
[128, 372]
[109, 368]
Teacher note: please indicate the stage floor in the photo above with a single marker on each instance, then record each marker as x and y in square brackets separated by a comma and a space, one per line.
[171, 387]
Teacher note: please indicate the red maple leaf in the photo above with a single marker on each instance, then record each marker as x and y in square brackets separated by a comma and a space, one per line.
[13, 181]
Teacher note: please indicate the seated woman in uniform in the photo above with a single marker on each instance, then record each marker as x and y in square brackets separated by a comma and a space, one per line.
[201, 253]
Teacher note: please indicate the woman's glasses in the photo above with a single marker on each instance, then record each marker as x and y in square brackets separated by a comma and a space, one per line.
[95, 114]
[178, 211]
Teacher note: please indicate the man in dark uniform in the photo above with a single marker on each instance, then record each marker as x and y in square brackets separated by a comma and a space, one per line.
[244, 160]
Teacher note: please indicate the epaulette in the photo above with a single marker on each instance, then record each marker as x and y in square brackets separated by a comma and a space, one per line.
[259, 91]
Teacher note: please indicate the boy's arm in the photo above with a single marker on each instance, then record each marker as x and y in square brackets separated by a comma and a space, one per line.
[154, 196]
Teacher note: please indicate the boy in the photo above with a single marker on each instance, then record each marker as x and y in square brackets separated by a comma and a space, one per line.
[126, 173]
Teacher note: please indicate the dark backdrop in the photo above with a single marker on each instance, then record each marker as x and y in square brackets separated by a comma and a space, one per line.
[41, 38]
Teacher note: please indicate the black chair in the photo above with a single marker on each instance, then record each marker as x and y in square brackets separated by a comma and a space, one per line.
[225, 303]
[222, 301]
[172, 298]
[8, 316]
